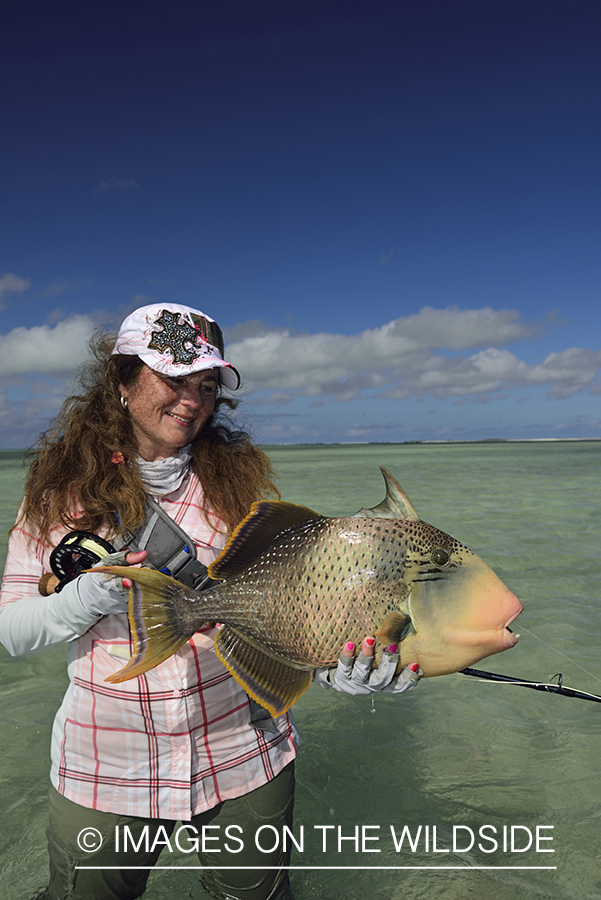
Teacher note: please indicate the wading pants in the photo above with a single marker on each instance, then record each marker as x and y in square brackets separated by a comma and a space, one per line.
[270, 805]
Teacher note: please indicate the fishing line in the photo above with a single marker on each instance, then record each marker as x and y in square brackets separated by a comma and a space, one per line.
[550, 686]
[565, 656]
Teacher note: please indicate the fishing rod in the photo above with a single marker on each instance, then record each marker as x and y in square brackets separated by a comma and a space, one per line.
[548, 686]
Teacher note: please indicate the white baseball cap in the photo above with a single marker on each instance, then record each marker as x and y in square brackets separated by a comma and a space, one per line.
[175, 340]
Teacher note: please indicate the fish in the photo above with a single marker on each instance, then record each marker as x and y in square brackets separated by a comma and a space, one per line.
[292, 585]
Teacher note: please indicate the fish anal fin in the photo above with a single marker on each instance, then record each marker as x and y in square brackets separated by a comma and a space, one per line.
[265, 521]
[394, 628]
[155, 626]
[272, 682]
[396, 504]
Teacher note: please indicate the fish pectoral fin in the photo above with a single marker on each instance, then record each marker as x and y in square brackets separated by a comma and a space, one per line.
[265, 521]
[273, 682]
[155, 626]
[394, 628]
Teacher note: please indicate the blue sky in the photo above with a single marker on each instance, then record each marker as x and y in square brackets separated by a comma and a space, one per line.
[392, 208]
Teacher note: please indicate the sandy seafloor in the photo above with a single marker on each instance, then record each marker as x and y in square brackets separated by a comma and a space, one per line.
[454, 752]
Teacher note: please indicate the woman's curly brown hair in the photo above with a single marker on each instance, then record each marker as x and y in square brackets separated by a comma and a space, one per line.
[73, 481]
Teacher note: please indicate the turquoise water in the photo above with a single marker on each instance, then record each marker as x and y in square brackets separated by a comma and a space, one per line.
[455, 752]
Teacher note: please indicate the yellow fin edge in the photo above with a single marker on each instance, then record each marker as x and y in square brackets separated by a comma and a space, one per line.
[274, 683]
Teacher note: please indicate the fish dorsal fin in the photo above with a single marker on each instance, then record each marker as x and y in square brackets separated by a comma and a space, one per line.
[396, 504]
[265, 521]
[273, 682]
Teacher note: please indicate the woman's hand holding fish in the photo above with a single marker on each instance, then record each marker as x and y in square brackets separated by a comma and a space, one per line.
[355, 676]
[103, 595]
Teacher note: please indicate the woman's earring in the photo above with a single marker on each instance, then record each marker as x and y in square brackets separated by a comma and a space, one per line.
[124, 402]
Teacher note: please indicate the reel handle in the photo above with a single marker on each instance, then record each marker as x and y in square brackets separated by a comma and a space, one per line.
[48, 584]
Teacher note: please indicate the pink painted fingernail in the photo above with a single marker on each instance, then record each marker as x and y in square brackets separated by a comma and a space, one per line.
[394, 648]
[350, 646]
[414, 667]
[370, 641]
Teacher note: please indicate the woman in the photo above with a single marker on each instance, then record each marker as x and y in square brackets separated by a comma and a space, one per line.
[178, 743]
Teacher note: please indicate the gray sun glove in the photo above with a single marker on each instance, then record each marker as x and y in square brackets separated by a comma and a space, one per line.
[101, 594]
[356, 676]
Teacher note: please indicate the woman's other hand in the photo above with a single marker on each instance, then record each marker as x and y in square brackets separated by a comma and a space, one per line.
[106, 595]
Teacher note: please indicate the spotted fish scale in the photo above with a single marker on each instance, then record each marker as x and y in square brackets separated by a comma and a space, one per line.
[297, 604]
[295, 585]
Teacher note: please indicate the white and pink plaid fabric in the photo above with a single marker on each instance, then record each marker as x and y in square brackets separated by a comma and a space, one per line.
[171, 743]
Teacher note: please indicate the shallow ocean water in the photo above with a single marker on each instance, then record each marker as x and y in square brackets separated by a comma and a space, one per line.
[456, 753]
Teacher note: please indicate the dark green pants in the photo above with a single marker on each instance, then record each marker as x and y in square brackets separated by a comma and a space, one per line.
[269, 805]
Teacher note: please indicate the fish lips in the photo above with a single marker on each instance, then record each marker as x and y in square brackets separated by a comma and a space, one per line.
[509, 637]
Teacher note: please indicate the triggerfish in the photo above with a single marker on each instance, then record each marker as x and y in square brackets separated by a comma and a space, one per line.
[294, 585]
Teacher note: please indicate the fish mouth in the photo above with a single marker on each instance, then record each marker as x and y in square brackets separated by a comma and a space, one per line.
[509, 636]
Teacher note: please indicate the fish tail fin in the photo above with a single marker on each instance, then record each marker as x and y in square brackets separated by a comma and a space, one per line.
[156, 627]
[273, 682]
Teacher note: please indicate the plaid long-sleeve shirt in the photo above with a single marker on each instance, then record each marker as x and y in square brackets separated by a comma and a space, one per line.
[168, 744]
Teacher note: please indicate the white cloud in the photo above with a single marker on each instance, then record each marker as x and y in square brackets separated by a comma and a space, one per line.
[45, 350]
[494, 370]
[12, 284]
[250, 328]
[400, 359]
[569, 371]
[278, 359]
[446, 354]
[460, 329]
[413, 356]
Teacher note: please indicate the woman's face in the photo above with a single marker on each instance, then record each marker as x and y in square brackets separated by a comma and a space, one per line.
[167, 413]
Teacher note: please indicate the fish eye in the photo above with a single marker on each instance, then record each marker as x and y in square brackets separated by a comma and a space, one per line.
[440, 556]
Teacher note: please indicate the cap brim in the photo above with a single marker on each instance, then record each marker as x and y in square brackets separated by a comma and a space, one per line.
[228, 375]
